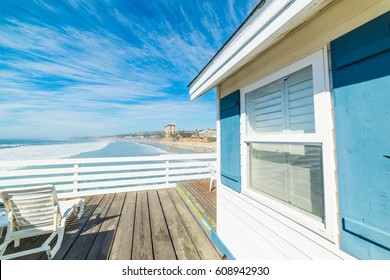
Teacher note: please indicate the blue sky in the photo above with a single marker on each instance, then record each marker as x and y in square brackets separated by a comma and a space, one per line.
[90, 68]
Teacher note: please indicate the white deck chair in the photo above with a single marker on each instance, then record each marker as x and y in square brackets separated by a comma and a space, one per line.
[213, 174]
[36, 211]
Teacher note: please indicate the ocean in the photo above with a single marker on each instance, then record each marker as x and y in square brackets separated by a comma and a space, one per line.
[19, 150]
[30, 149]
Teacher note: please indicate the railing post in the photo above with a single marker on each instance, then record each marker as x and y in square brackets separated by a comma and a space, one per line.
[167, 170]
[75, 176]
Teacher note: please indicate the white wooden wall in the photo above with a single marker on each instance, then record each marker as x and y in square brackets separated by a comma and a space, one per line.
[249, 228]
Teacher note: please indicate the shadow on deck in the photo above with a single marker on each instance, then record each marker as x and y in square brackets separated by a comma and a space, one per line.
[143, 225]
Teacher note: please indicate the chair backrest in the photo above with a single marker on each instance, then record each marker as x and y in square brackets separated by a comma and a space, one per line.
[32, 208]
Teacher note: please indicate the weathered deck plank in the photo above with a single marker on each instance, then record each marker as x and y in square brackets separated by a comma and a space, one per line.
[34, 242]
[142, 242]
[100, 249]
[123, 242]
[202, 187]
[27, 244]
[185, 249]
[162, 243]
[200, 196]
[201, 242]
[83, 244]
[142, 225]
[200, 200]
[73, 229]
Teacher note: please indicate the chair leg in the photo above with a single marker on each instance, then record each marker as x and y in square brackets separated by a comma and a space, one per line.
[51, 253]
[3, 246]
[211, 184]
[16, 242]
[1, 232]
[81, 208]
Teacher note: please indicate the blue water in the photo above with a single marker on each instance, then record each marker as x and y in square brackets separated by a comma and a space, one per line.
[113, 149]
[132, 149]
[123, 149]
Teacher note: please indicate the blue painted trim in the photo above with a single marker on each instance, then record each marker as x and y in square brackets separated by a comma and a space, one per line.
[357, 56]
[229, 101]
[230, 141]
[363, 53]
[361, 86]
[230, 176]
[211, 231]
[232, 183]
[370, 233]
[221, 246]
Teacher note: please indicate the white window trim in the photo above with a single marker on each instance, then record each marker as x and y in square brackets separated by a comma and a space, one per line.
[323, 134]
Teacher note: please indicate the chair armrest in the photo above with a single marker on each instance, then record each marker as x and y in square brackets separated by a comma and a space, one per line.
[3, 218]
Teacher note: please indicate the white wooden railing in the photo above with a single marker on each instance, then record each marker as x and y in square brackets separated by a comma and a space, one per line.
[89, 176]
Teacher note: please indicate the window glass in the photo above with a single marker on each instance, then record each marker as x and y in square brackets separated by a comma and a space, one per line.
[289, 172]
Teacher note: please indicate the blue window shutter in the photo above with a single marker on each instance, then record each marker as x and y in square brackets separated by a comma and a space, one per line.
[230, 141]
[361, 81]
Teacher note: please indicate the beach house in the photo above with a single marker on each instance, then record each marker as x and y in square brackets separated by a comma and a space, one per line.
[303, 101]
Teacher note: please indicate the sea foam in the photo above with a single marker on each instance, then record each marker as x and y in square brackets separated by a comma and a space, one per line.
[147, 148]
[43, 152]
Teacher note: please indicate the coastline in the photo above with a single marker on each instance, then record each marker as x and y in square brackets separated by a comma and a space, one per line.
[195, 146]
[44, 149]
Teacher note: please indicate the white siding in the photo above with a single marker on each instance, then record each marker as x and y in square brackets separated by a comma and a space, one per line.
[249, 228]
[254, 231]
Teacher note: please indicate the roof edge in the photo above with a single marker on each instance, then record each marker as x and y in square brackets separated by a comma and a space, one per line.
[258, 6]
[266, 25]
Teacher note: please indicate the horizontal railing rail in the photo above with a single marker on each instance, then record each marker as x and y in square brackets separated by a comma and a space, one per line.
[88, 176]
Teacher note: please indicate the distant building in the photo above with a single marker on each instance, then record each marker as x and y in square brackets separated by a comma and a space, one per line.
[212, 133]
[185, 134]
[170, 129]
[207, 133]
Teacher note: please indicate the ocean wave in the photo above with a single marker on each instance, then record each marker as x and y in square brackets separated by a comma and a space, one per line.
[150, 148]
[10, 146]
[43, 152]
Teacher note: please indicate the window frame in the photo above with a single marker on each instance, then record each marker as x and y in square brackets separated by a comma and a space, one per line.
[323, 135]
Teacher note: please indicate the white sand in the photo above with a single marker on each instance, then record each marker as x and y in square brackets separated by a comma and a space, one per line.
[193, 146]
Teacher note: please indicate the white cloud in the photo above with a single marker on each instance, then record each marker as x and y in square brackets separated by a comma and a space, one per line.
[110, 118]
[98, 68]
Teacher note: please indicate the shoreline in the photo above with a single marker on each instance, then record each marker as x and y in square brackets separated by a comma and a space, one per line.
[200, 147]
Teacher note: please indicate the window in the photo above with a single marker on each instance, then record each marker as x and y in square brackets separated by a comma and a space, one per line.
[285, 135]
[283, 106]
[291, 173]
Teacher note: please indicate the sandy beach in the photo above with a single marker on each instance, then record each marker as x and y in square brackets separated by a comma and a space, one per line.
[184, 143]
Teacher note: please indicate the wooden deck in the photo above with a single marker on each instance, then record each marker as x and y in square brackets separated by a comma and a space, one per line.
[204, 201]
[142, 225]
